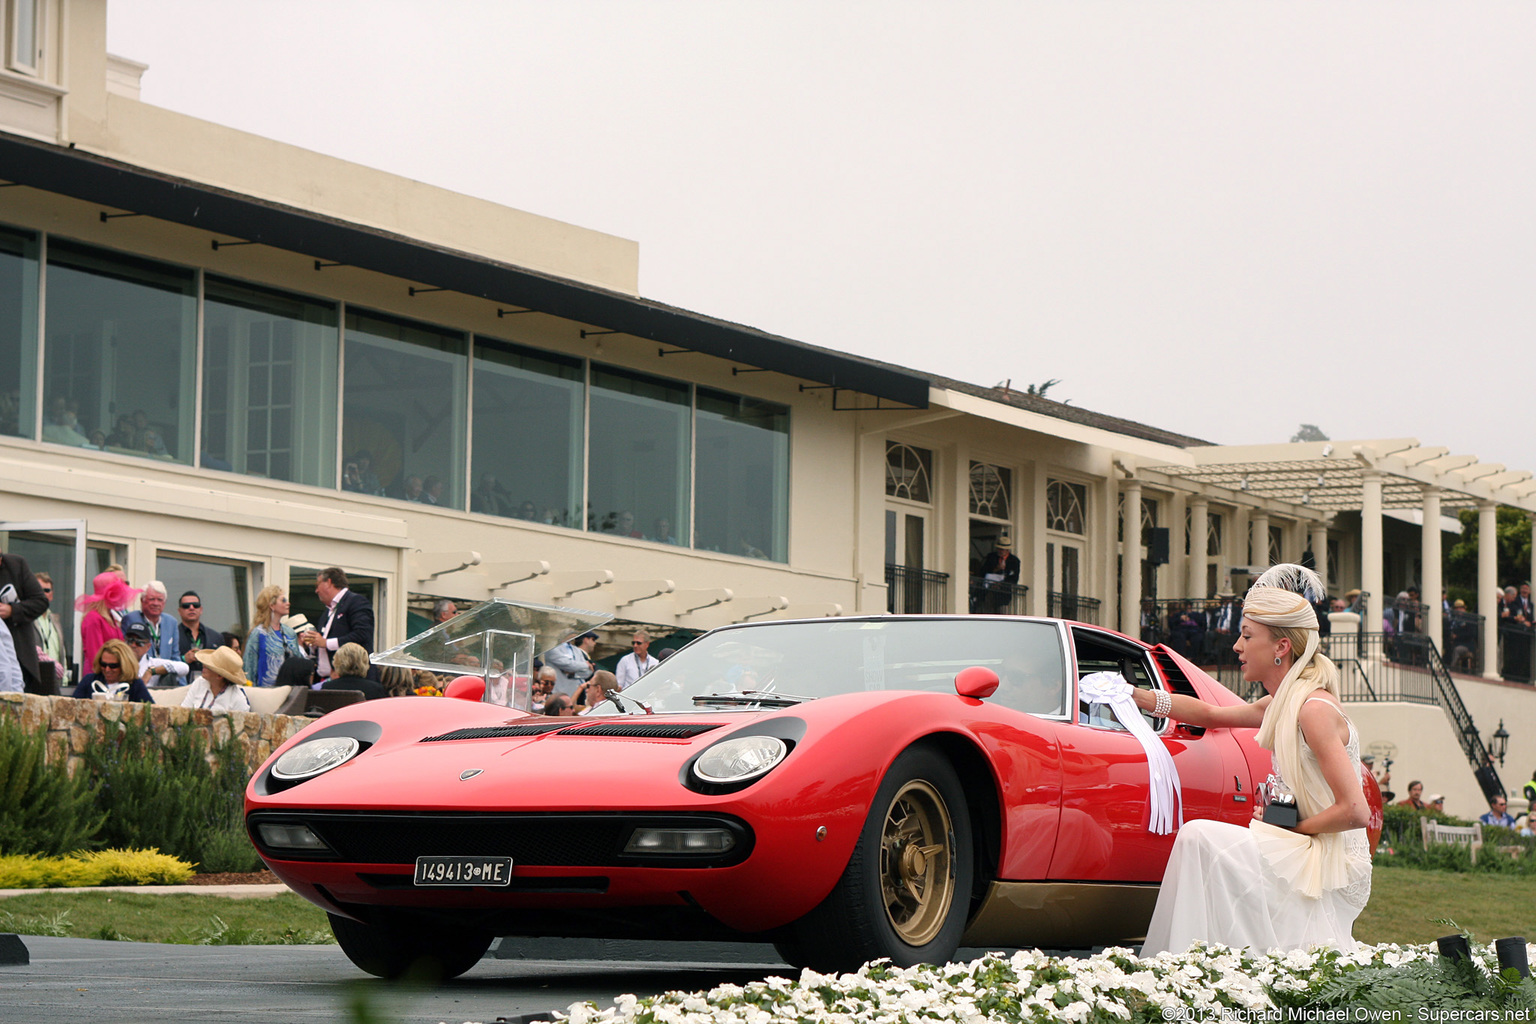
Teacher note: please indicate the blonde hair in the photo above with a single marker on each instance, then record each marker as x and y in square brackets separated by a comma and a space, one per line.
[128, 664]
[264, 602]
[350, 660]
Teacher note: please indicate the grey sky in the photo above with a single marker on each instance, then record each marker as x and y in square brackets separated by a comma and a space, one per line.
[1218, 218]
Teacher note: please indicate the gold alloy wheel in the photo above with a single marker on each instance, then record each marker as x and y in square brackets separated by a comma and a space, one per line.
[917, 877]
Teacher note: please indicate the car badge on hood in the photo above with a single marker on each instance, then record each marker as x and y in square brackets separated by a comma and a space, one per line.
[469, 773]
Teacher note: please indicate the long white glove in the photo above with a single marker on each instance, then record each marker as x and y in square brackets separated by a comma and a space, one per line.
[1165, 798]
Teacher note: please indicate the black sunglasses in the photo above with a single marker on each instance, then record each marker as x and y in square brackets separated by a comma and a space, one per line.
[111, 664]
[191, 604]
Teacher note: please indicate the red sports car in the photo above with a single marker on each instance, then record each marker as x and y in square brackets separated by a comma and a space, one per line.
[847, 788]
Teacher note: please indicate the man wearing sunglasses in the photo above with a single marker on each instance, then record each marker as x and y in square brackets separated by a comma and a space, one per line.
[637, 662]
[192, 637]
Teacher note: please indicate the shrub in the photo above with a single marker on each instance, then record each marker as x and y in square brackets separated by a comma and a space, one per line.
[171, 798]
[100, 867]
[42, 810]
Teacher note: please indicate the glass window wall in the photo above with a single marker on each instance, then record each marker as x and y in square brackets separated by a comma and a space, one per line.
[639, 478]
[742, 475]
[120, 363]
[18, 333]
[269, 384]
[403, 407]
[223, 587]
[527, 444]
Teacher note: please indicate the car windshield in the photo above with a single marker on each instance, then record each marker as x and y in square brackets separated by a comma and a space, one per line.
[781, 664]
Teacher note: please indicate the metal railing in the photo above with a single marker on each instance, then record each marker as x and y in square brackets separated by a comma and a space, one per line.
[1074, 606]
[911, 591]
[1200, 629]
[1462, 639]
[1517, 652]
[996, 597]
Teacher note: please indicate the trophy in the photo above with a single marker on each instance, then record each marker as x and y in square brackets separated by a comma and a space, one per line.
[1279, 803]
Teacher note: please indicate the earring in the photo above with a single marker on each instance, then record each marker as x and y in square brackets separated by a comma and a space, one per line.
[1278, 660]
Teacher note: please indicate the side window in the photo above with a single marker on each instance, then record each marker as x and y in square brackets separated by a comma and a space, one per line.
[1103, 654]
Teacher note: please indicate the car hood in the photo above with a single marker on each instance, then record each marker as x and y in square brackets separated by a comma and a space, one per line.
[515, 764]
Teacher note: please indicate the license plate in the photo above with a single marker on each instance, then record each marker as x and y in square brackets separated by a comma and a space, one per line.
[463, 871]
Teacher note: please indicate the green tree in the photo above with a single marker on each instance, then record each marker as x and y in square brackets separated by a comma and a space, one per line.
[1513, 560]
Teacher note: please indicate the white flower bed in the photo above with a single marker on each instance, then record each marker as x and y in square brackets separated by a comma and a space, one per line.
[1208, 983]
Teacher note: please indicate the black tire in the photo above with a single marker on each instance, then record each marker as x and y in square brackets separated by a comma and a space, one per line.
[906, 892]
[409, 950]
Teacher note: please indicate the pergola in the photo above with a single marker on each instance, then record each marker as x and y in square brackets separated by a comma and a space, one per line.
[1372, 477]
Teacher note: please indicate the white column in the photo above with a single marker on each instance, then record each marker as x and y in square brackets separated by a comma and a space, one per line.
[1236, 543]
[1038, 602]
[1370, 550]
[1199, 551]
[1488, 583]
[1429, 553]
[1317, 540]
[1130, 561]
[1258, 538]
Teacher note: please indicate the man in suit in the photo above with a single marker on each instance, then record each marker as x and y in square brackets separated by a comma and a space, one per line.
[349, 620]
[21, 601]
[999, 572]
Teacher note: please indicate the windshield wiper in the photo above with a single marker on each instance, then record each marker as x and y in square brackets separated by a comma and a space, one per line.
[613, 695]
[766, 698]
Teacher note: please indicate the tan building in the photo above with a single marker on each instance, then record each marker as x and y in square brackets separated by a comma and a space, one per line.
[233, 362]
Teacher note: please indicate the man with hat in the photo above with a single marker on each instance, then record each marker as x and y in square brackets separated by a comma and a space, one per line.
[572, 662]
[999, 572]
[154, 671]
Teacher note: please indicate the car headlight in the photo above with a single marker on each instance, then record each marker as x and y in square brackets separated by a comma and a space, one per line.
[739, 759]
[307, 760]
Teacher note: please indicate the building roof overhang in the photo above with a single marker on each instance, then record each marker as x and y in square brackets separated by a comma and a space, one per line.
[1330, 476]
[122, 186]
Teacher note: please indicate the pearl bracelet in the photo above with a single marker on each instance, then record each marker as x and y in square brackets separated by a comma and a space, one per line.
[1163, 704]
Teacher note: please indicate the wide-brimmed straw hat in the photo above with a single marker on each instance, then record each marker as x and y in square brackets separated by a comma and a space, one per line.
[226, 663]
[109, 587]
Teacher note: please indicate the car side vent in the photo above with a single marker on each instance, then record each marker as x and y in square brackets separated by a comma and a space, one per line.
[1178, 682]
[487, 732]
[644, 730]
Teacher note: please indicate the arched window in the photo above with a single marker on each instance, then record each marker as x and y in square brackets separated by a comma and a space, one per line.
[908, 472]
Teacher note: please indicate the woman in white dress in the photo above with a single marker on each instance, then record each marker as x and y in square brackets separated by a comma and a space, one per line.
[1264, 886]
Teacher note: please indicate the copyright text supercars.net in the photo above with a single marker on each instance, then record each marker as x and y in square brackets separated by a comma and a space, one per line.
[1242, 1016]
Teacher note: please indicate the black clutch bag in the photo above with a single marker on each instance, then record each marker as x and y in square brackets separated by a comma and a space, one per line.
[1284, 815]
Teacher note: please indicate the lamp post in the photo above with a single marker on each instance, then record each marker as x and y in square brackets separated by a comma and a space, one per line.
[1500, 743]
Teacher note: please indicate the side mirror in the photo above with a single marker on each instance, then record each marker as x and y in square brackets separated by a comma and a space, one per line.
[977, 682]
[466, 688]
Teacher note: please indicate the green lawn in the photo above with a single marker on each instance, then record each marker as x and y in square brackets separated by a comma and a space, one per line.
[173, 917]
[1404, 905]
[1406, 901]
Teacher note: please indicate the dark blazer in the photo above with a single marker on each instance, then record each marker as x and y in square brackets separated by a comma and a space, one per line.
[352, 623]
[369, 689]
[29, 604]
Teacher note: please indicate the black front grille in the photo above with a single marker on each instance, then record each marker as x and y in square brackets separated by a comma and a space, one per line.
[486, 732]
[578, 883]
[645, 730]
[571, 840]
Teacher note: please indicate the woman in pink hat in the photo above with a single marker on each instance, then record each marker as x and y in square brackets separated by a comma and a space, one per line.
[103, 610]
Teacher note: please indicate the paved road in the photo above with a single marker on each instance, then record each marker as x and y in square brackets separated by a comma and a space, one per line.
[86, 981]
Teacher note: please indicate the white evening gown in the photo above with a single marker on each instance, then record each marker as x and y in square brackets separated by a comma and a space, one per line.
[1222, 883]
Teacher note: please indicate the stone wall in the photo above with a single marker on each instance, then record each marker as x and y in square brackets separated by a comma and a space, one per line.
[69, 723]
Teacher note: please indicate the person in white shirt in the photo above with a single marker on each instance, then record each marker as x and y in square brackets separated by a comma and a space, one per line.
[637, 662]
[221, 686]
[153, 671]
